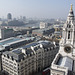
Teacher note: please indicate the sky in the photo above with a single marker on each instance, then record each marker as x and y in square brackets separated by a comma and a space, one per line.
[36, 8]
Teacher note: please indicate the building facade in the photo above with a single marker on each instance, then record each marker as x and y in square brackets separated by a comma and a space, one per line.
[64, 62]
[9, 16]
[43, 25]
[29, 59]
[6, 33]
[12, 43]
[44, 31]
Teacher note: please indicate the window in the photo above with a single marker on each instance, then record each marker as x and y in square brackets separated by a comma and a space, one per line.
[6, 60]
[14, 67]
[4, 55]
[18, 64]
[15, 64]
[10, 62]
[21, 63]
[68, 34]
[69, 26]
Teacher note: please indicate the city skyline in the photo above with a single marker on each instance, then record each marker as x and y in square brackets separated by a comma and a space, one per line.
[36, 9]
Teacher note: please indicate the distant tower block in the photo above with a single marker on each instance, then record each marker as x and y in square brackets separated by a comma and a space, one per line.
[9, 16]
[43, 25]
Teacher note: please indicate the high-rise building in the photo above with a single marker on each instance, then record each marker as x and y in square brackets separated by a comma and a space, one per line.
[6, 33]
[9, 16]
[43, 25]
[64, 62]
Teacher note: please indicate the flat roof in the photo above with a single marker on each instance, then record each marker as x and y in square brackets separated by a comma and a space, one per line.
[66, 62]
[36, 43]
[9, 40]
[29, 45]
[44, 29]
[14, 39]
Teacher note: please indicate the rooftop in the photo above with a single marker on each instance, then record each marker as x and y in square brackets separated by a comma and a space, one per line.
[36, 43]
[26, 50]
[15, 55]
[13, 40]
[29, 45]
[9, 40]
[66, 62]
[44, 29]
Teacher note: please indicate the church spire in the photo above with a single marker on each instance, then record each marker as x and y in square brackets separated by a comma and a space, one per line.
[71, 7]
[68, 33]
[71, 14]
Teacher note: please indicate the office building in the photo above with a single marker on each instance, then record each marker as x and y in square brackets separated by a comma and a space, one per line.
[43, 25]
[44, 31]
[14, 42]
[9, 16]
[29, 59]
[6, 33]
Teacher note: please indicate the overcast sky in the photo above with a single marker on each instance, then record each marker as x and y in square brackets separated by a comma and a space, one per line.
[36, 8]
